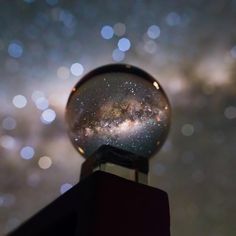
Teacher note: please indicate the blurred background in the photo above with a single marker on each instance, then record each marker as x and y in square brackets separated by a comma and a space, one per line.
[46, 46]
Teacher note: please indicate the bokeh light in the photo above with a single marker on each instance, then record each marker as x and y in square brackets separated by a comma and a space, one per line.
[65, 187]
[45, 162]
[119, 29]
[9, 123]
[27, 152]
[153, 32]
[15, 49]
[118, 55]
[48, 116]
[173, 19]
[230, 112]
[37, 95]
[77, 69]
[41, 103]
[187, 130]
[107, 32]
[19, 101]
[63, 72]
[7, 142]
[150, 46]
[124, 44]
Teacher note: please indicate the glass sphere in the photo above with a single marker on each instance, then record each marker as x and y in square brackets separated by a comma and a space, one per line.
[121, 106]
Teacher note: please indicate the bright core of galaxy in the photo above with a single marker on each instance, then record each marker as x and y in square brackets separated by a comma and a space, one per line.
[120, 109]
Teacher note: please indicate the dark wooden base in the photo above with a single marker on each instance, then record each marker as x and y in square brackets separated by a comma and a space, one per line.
[103, 205]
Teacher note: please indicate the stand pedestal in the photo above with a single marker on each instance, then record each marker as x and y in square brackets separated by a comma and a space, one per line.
[103, 205]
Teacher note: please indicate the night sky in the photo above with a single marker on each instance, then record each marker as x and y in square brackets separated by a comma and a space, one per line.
[189, 46]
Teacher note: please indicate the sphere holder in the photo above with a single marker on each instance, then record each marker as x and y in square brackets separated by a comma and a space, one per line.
[119, 162]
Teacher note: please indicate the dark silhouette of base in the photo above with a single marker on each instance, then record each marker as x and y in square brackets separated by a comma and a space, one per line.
[103, 205]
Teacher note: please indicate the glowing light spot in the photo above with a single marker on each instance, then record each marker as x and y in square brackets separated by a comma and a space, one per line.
[118, 55]
[37, 94]
[77, 69]
[156, 85]
[65, 187]
[187, 129]
[7, 200]
[48, 116]
[81, 150]
[107, 32]
[67, 18]
[150, 47]
[19, 101]
[45, 162]
[15, 49]
[124, 44]
[173, 19]
[7, 142]
[119, 29]
[230, 112]
[9, 123]
[42, 103]
[233, 52]
[63, 73]
[27, 153]
[153, 32]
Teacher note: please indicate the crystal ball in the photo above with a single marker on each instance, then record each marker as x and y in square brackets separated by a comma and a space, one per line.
[121, 106]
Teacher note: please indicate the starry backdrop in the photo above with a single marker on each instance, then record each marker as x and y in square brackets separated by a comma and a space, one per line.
[189, 46]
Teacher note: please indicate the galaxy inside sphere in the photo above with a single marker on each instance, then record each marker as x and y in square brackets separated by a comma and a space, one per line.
[120, 107]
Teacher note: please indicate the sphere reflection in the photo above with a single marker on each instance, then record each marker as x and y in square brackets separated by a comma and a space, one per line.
[121, 106]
